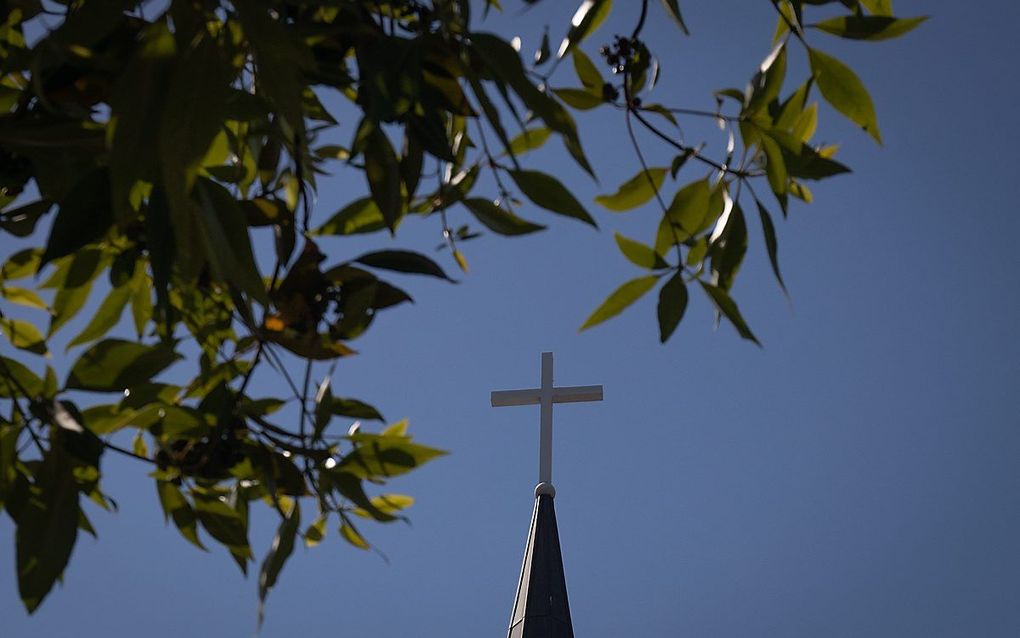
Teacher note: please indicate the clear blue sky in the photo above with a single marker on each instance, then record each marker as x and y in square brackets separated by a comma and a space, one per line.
[859, 476]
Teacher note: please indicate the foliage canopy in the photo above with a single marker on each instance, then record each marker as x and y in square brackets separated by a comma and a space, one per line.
[158, 138]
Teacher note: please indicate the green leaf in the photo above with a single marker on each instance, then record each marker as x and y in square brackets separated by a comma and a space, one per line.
[175, 506]
[502, 60]
[689, 208]
[729, 248]
[775, 167]
[769, 81]
[499, 220]
[47, 528]
[620, 299]
[141, 301]
[841, 87]
[859, 27]
[586, 20]
[640, 254]
[404, 261]
[24, 263]
[353, 536]
[770, 243]
[84, 216]
[379, 456]
[22, 296]
[360, 216]
[878, 7]
[227, 244]
[281, 58]
[579, 99]
[728, 308]
[672, 304]
[673, 9]
[323, 408]
[355, 409]
[107, 315]
[547, 191]
[386, 503]
[529, 140]
[73, 280]
[635, 191]
[23, 335]
[315, 532]
[16, 380]
[587, 73]
[279, 552]
[223, 522]
[382, 170]
[113, 365]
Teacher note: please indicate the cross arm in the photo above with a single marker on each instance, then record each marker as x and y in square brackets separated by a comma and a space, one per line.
[503, 398]
[577, 394]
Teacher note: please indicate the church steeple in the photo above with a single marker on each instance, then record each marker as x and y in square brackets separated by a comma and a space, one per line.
[540, 608]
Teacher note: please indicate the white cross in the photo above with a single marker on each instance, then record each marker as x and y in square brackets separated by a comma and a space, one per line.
[545, 397]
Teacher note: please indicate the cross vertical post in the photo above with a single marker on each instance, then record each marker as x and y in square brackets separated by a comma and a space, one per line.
[545, 396]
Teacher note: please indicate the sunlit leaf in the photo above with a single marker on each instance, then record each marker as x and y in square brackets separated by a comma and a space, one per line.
[620, 299]
[586, 19]
[841, 88]
[635, 191]
[23, 335]
[639, 254]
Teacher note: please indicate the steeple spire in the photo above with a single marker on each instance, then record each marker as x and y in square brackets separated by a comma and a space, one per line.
[540, 608]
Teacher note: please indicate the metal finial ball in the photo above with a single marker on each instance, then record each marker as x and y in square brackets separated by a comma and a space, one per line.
[545, 489]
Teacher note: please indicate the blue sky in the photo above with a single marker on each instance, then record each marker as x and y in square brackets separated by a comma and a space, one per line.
[858, 476]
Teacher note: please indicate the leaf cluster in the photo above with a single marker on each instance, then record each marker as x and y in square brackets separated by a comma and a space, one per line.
[167, 156]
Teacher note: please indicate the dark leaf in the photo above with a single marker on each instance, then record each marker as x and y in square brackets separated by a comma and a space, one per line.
[355, 409]
[726, 307]
[84, 216]
[283, 545]
[499, 220]
[672, 304]
[546, 191]
[770, 242]
[403, 261]
[113, 365]
[47, 528]
[875, 27]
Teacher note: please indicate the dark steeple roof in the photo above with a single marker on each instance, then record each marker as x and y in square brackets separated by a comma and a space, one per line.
[541, 609]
